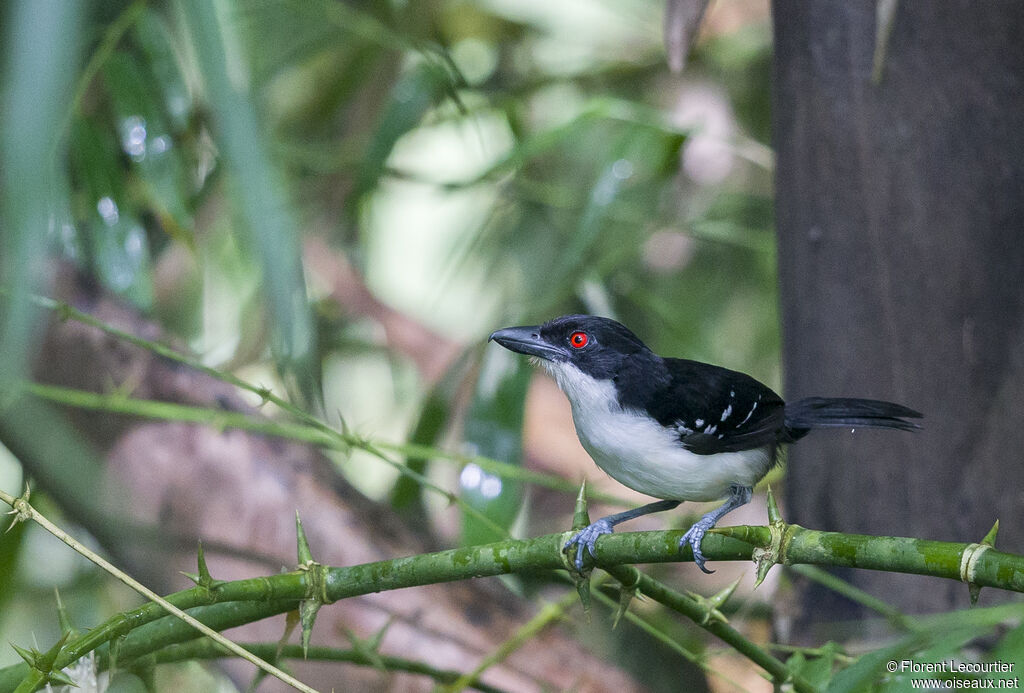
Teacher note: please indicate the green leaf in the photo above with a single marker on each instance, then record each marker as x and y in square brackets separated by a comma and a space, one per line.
[125, 682]
[494, 429]
[112, 240]
[154, 37]
[417, 91]
[611, 169]
[41, 42]
[66, 626]
[932, 645]
[147, 141]
[817, 668]
[868, 669]
[261, 199]
[406, 496]
[11, 544]
[1010, 649]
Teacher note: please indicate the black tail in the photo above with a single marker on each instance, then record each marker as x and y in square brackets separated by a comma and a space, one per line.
[843, 412]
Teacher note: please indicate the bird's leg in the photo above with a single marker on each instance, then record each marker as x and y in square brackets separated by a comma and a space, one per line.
[740, 496]
[587, 537]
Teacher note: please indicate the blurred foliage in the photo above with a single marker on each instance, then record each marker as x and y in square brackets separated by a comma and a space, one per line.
[494, 425]
[477, 162]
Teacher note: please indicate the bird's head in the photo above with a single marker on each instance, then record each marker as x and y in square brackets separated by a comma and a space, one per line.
[593, 345]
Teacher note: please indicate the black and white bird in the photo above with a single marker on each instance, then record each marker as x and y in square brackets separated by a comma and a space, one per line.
[675, 429]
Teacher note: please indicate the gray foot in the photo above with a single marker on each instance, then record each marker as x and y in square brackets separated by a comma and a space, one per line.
[586, 538]
[694, 536]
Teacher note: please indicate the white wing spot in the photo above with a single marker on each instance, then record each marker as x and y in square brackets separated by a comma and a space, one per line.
[725, 414]
[732, 393]
[749, 414]
[698, 423]
[711, 429]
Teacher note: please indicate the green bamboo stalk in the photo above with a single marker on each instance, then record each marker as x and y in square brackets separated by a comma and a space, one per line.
[117, 402]
[242, 601]
[971, 563]
[662, 637]
[23, 511]
[203, 648]
[700, 614]
[977, 564]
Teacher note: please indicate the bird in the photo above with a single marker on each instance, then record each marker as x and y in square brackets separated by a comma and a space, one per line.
[675, 429]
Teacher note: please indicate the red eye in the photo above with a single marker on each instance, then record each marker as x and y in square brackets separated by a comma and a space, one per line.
[578, 339]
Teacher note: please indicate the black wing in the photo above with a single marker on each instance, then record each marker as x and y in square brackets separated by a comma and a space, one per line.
[717, 410]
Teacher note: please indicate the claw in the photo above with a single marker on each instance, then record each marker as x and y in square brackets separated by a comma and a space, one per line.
[586, 538]
[739, 495]
[694, 536]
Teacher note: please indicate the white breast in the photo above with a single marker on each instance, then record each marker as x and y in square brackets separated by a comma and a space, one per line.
[644, 455]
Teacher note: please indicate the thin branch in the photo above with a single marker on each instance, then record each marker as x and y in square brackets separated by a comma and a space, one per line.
[412, 451]
[705, 618]
[547, 615]
[261, 597]
[203, 648]
[24, 511]
[855, 594]
[317, 433]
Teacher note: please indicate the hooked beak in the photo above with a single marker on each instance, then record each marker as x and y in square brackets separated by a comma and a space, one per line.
[527, 340]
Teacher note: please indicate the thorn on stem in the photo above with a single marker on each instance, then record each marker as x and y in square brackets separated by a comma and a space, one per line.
[581, 514]
[304, 552]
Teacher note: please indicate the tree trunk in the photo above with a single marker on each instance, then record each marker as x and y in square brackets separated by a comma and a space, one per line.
[901, 263]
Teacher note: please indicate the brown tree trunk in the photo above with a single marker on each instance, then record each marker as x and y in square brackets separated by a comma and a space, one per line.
[901, 263]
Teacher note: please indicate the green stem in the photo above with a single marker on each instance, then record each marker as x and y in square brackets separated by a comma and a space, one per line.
[203, 648]
[311, 431]
[548, 614]
[666, 640]
[855, 594]
[120, 403]
[320, 434]
[691, 608]
[24, 511]
[244, 601]
[413, 451]
[987, 567]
